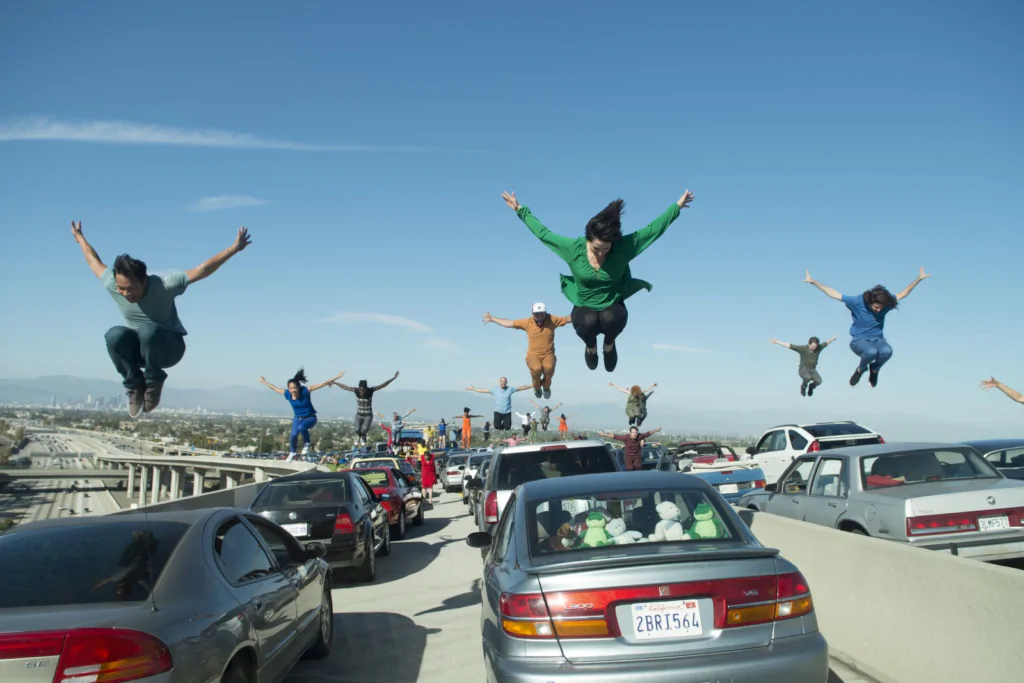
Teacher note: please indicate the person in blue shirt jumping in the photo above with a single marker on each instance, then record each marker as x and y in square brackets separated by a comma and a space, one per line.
[503, 402]
[869, 309]
[302, 404]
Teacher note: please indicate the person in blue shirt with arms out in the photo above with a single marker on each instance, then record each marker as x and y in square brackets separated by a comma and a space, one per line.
[866, 334]
[302, 405]
[503, 402]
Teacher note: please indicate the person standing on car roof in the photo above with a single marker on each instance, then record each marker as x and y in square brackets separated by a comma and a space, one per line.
[808, 370]
[397, 423]
[526, 418]
[364, 405]
[540, 345]
[563, 427]
[503, 402]
[867, 338]
[632, 446]
[467, 427]
[442, 429]
[487, 431]
[599, 262]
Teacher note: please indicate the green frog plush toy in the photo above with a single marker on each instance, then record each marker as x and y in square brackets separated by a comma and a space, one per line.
[706, 525]
[595, 535]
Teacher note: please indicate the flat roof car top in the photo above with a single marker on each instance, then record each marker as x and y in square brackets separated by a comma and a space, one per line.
[553, 446]
[582, 484]
[812, 424]
[884, 449]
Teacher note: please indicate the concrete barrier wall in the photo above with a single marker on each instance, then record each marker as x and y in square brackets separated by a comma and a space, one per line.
[238, 497]
[905, 615]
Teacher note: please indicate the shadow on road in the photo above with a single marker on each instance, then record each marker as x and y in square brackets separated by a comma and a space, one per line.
[406, 559]
[467, 599]
[431, 525]
[369, 647]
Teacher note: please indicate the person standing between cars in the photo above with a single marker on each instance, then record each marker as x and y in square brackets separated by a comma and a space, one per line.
[993, 383]
[364, 405]
[503, 402]
[467, 427]
[428, 475]
[540, 347]
[300, 399]
[808, 369]
[545, 414]
[601, 280]
[636, 404]
[153, 338]
[867, 338]
[632, 446]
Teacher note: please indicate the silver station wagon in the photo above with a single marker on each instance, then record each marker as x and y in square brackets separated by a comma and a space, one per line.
[943, 497]
[649, 577]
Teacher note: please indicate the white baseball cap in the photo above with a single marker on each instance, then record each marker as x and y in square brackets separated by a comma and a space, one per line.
[539, 307]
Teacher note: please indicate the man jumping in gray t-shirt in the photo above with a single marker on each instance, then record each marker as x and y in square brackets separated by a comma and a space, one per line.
[808, 369]
[154, 338]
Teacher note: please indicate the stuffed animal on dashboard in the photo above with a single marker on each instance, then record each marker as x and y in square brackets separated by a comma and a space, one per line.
[618, 534]
[706, 524]
[596, 536]
[669, 528]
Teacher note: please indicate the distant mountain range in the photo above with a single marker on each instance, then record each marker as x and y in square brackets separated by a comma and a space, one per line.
[433, 405]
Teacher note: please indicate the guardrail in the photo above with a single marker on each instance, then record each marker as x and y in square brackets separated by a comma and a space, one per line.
[273, 468]
[902, 614]
[238, 497]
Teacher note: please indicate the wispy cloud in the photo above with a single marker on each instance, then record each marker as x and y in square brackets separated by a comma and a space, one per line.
[133, 133]
[439, 344]
[678, 349]
[379, 319]
[224, 201]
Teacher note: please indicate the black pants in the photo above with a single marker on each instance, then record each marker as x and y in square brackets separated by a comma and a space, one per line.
[637, 421]
[502, 421]
[589, 323]
[487, 434]
[526, 430]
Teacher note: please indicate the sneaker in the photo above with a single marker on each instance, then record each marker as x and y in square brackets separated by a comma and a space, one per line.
[855, 377]
[305, 449]
[611, 358]
[591, 358]
[803, 389]
[134, 401]
[537, 393]
[547, 392]
[152, 397]
[873, 378]
[810, 390]
[291, 456]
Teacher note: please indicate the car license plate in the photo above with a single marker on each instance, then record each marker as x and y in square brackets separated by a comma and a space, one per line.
[574, 506]
[993, 523]
[296, 530]
[729, 488]
[669, 619]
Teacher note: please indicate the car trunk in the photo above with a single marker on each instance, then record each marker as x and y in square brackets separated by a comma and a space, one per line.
[315, 523]
[982, 496]
[687, 592]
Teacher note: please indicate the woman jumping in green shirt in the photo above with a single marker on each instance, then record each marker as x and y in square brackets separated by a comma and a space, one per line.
[599, 262]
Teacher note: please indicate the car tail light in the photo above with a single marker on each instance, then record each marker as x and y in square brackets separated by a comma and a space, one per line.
[815, 447]
[760, 483]
[343, 524]
[525, 616]
[927, 525]
[93, 655]
[554, 448]
[880, 439]
[491, 508]
[792, 598]
[453, 473]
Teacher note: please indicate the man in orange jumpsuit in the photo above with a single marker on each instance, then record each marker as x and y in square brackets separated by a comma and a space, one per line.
[540, 350]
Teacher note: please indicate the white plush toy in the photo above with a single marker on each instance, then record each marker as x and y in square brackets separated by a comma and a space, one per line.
[618, 535]
[669, 528]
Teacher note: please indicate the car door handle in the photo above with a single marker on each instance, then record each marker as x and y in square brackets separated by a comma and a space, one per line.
[831, 504]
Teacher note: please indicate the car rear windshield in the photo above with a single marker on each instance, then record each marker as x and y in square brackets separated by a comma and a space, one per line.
[301, 494]
[586, 522]
[456, 460]
[518, 468]
[84, 564]
[478, 460]
[375, 477]
[846, 443]
[923, 466]
[373, 463]
[688, 450]
[835, 429]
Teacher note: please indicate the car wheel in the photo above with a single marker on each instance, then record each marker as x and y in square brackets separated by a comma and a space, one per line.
[235, 674]
[385, 546]
[399, 532]
[420, 516]
[367, 571]
[858, 531]
[325, 634]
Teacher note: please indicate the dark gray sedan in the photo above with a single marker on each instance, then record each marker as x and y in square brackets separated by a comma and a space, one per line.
[1006, 455]
[205, 596]
[648, 577]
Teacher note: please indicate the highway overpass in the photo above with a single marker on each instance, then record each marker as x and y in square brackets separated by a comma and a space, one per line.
[57, 473]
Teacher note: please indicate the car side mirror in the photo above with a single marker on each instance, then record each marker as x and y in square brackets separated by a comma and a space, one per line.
[750, 450]
[316, 550]
[475, 484]
[384, 496]
[771, 488]
[479, 539]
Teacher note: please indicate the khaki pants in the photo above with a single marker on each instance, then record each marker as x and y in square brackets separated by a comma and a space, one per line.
[542, 369]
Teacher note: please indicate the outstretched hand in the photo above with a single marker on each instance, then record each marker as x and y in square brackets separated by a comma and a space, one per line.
[76, 231]
[922, 276]
[808, 278]
[992, 383]
[471, 388]
[263, 380]
[241, 241]
[684, 201]
[488, 318]
[774, 340]
[510, 199]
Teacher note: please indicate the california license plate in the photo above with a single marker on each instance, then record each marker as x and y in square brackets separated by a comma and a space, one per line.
[993, 523]
[729, 488]
[669, 619]
[296, 530]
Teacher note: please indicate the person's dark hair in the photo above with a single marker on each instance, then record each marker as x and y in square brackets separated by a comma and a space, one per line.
[814, 340]
[363, 389]
[299, 378]
[131, 268]
[563, 416]
[363, 384]
[465, 410]
[880, 295]
[607, 225]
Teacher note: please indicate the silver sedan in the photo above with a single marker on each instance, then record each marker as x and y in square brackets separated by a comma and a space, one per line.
[205, 596]
[648, 577]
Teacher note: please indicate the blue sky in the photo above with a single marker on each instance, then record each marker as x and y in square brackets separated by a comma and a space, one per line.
[366, 145]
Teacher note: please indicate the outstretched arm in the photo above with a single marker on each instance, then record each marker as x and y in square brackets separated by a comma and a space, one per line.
[384, 384]
[606, 435]
[618, 388]
[210, 266]
[323, 384]
[479, 391]
[786, 344]
[409, 413]
[91, 257]
[996, 384]
[555, 408]
[504, 322]
[834, 337]
[559, 244]
[343, 386]
[828, 291]
[636, 243]
[650, 387]
[270, 386]
[910, 288]
[524, 387]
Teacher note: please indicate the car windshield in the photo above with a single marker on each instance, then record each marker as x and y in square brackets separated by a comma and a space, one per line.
[586, 522]
[373, 463]
[835, 429]
[518, 468]
[922, 466]
[375, 477]
[456, 460]
[75, 565]
[299, 494]
[692, 449]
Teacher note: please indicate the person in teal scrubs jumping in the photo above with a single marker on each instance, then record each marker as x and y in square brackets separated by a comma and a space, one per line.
[599, 262]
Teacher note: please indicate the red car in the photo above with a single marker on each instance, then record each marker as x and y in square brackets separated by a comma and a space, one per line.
[705, 452]
[404, 497]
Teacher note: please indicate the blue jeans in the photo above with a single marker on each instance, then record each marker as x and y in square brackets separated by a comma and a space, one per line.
[142, 355]
[301, 425]
[874, 353]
